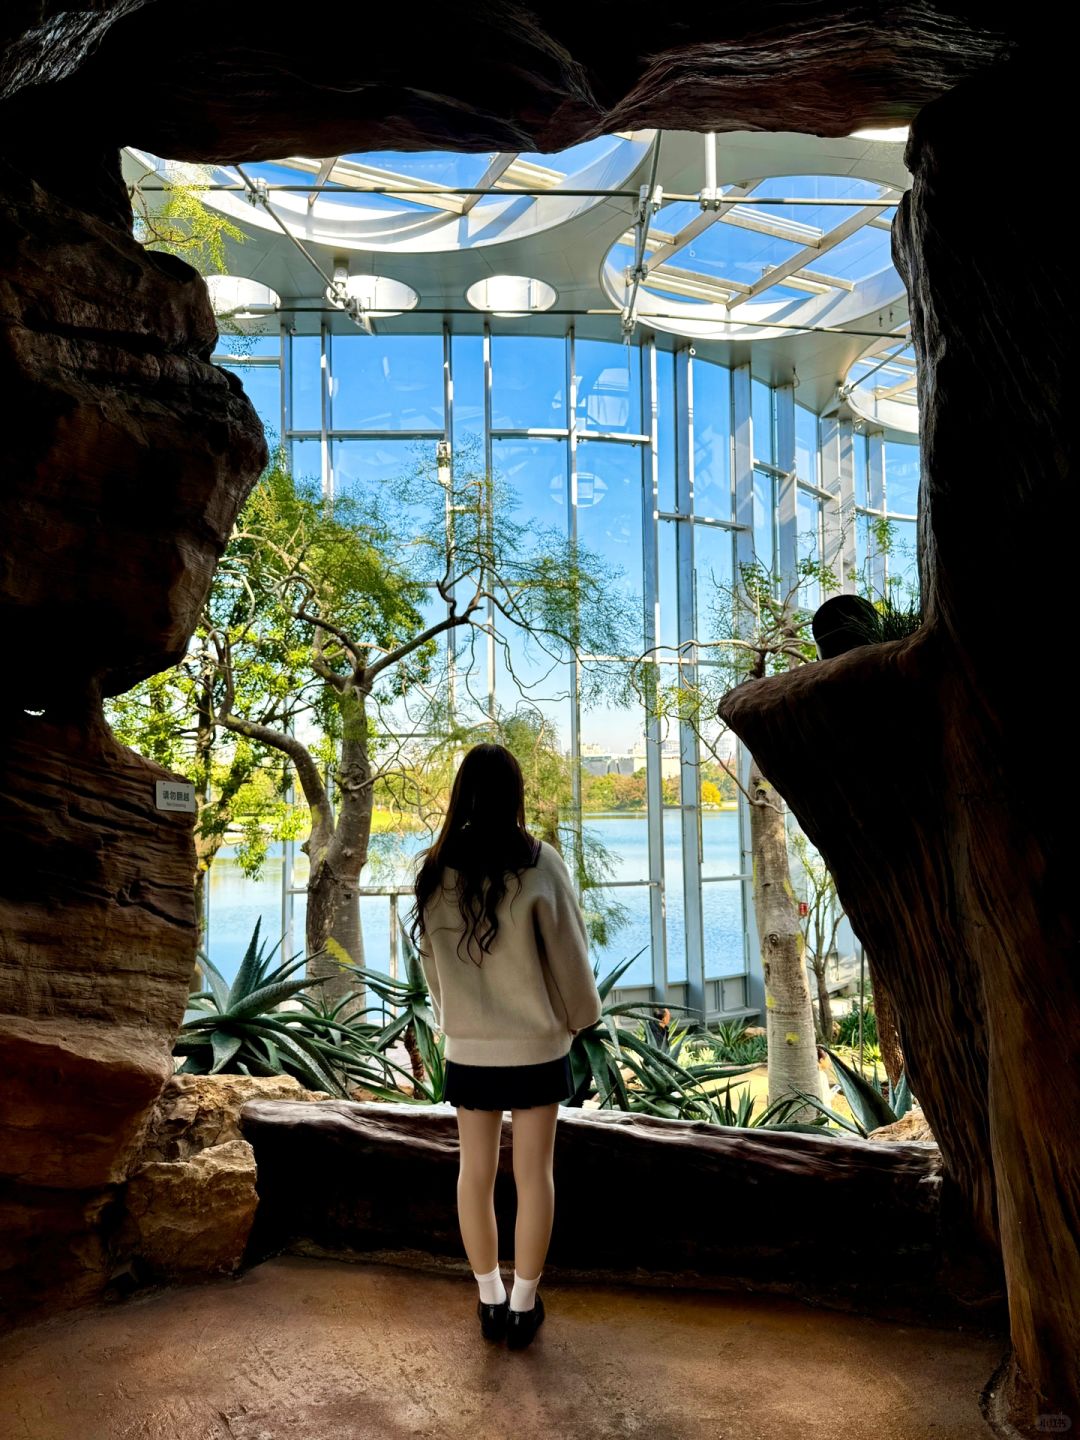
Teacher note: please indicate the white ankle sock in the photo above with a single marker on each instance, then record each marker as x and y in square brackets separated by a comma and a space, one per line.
[492, 1289]
[523, 1295]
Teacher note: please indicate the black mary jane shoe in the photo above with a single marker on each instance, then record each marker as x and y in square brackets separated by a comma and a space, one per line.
[522, 1325]
[493, 1319]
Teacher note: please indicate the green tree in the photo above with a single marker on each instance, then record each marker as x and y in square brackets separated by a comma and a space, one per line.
[171, 215]
[753, 630]
[242, 793]
[332, 629]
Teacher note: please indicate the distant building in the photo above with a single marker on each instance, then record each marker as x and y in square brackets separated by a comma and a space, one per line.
[626, 762]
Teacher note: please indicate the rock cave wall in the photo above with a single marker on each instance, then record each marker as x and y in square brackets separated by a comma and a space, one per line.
[129, 454]
[953, 861]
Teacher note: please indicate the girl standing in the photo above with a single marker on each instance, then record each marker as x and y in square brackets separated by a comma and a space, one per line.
[504, 950]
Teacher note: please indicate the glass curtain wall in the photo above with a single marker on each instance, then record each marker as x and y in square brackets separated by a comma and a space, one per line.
[675, 471]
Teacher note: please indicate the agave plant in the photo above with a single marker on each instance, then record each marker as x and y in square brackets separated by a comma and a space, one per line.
[412, 1024]
[661, 1084]
[777, 1115]
[240, 1028]
[869, 1108]
[731, 1043]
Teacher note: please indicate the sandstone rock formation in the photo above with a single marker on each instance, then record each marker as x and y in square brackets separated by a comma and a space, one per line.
[189, 1205]
[561, 77]
[951, 860]
[128, 455]
[636, 1195]
[196, 1112]
[187, 1218]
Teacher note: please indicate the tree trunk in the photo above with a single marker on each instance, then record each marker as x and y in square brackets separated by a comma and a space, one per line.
[338, 856]
[332, 932]
[892, 1055]
[412, 1049]
[789, 1015]
[825, 1017]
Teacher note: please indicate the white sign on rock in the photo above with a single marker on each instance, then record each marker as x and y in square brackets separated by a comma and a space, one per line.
[175, 795]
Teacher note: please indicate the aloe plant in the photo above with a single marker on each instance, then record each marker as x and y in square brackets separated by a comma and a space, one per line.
[869, 1108]
[241, 1028]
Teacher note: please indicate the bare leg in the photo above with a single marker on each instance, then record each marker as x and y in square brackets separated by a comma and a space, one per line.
[479, 1132]
[534, 1146]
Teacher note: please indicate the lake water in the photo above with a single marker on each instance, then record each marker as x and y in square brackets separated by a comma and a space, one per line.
[236, 902]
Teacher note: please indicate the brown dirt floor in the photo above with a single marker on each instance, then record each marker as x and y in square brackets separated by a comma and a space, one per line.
[305, 1349]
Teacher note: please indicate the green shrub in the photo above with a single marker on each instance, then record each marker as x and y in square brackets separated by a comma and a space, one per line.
[847, 1026]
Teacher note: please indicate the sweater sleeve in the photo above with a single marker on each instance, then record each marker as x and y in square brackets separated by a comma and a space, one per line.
[565, 943]
[431, 975]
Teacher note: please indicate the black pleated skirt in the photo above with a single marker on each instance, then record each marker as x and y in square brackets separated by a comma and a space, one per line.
[509, 1087]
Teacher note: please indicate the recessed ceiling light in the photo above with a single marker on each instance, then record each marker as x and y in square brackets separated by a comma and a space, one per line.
[374, 296]
[243, 303]
[511, 295]
[888, 134]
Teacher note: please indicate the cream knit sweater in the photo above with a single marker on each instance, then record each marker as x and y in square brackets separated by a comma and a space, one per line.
[532, 989]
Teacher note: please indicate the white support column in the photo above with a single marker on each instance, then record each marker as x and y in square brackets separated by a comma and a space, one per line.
[742, 436]
[444, 452]
[488, 466]
[689, 762]
[324, 413]
[575, 667]
[787, 508]
[288, 847]
[742, 444]
[650, 503]
[875, 495]
[285, 402]
[838, 478]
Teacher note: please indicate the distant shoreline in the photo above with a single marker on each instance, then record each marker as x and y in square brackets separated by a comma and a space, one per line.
[637, 813]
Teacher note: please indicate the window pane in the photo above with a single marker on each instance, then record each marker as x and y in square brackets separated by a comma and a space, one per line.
[675, 901]
[608, 386]
[809, 545]
[901, 478]
[764, 513]
[306, 383]
[712, 441]
[262, 385]
[306, 461]
[615, 832]
[633, 932]
[722, 912]
[528, 382]
[237, 901]
[242, 346]
[859, 447]
[400, 476]
[806, 445]
[720, 850]
[533, 473]
[609, 516]
[713, 576]
[761, 409]
[668, 572]
[386, 382]
[467, 354]
[665, 427]
[902, 562]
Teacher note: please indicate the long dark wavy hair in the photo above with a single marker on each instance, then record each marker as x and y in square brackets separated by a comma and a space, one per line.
[484, 840]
